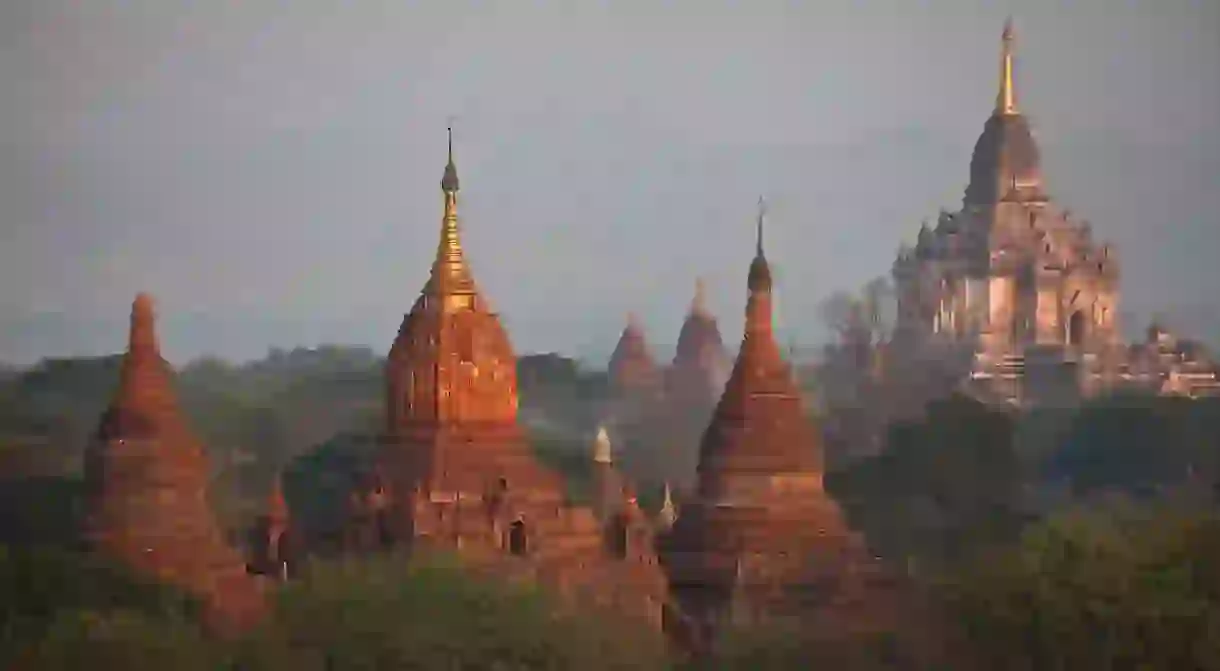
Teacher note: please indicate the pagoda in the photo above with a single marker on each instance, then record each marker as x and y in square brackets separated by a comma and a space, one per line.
[147, 475]
[693, 384]
[456, 471]
[760, 538]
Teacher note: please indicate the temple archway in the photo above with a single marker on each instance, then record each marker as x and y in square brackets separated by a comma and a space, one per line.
[1076, 328]
[616, 537]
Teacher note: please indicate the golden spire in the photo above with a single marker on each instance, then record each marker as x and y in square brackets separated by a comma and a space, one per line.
[1006, 99]
[449, 268]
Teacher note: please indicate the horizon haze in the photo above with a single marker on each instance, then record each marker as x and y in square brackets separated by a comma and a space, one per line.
[271, 173]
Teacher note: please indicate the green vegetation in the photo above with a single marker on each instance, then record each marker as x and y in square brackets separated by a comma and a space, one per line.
[378, 612]
[1114, 587]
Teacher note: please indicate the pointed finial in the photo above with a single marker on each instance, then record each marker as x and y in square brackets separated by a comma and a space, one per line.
[143, 334]
[1006, 102]
[762, 213]
[449, 182]
[602, 450]
[668, 513]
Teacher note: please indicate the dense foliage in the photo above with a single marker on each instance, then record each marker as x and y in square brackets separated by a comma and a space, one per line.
[1114, 587]
[381, 612]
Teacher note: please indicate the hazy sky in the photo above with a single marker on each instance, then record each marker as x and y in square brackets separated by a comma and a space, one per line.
[269, 170]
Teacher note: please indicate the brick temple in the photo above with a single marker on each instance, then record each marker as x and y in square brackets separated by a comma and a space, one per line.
[456, 471]
[147, 476]
[760, 539]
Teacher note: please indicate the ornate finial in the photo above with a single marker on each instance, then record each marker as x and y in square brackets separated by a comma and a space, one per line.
[1006, 102]
[602, 450]
[143, 334]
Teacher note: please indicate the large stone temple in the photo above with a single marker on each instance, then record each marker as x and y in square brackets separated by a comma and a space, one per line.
[147, 478]
[456, 470]
[761, 540]
[1011, 295]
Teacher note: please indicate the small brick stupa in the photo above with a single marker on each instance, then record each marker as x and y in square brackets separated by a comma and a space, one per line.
[693, 384]
[761, 539]
[457, 471]
[147, 474]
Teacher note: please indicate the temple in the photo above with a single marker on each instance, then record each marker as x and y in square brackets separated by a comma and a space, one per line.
[693, 384]
[1010, 293]
[147, 477]
[456, 471]
[760, 539]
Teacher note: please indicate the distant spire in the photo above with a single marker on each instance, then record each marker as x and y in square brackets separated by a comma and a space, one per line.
[668, 513]
[1006, 99]
[602, 450]
[762, 213]
[698, 305]
[760, 271]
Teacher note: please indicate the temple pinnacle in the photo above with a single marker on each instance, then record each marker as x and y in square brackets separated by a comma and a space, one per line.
[143, 335]
[449, 182]
[698, 305]
[601, 447]
[1006, 102]
[762, 213]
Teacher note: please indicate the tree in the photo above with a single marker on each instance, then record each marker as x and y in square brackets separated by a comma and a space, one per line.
[1115, 587]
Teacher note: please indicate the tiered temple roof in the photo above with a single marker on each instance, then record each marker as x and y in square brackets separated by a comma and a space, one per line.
[760, 538]
[147, 477]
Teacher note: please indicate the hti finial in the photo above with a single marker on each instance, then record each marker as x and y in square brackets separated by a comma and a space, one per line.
[449, 183]
[1006, 102]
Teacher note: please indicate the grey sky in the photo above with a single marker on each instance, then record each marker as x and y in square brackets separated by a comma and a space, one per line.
[269, 170]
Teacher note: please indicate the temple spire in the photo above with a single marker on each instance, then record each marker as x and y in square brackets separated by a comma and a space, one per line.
[449, 268]
[143, 334]
[668, 514]
[1006, 99]
[698, 305]
[760, 271]
[762, 213]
